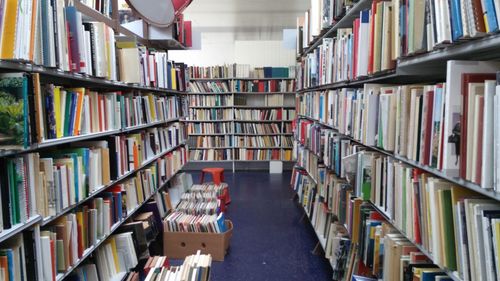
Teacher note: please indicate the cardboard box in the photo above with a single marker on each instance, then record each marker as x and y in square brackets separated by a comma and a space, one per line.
[178, 245]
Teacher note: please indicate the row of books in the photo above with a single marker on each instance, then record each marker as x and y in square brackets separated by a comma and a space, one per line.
[321, 15]
[448, 126]
[140, 65]
[67, 176]
[262, 86]
[390, 34]
[212, 114]
[102, 6]
[257, 129]
[241, 71]
[258, 141]
[57, 112]
[441, 217]
[79, 111]
[325, 143]
[208, 87]
[220, 71]
[202, 199]
[210, 100]
[453, 223]
[182, 222]
[257, 154]
[65, 240]
[210, 128]
[194, 267]
[264, 114]
[55, 34]
[210, 141]
[358, 242]
[211, 154]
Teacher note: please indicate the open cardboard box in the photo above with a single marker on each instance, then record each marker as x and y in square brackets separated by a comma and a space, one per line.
[178, 245]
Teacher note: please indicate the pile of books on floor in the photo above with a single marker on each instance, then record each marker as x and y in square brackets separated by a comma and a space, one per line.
[195, 267]
[199, 210]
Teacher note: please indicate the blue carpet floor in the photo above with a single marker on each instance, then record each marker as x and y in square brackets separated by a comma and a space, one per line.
[270, 242]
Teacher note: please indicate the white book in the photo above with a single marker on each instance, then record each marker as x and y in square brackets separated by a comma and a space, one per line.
[46, 261]
[495, 239]
[487, 166]
[453, 105]
[477, 238]
[496, 140]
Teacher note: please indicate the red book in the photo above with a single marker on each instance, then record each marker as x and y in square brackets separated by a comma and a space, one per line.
[356, 42]
[262, 86]
[273, 86]
[468, 78]
[80, 240]
[480, 141]
[53, 258]
[188, 34]
[373, 12]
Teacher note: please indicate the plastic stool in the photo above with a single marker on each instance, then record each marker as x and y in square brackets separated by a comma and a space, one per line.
[217, 174]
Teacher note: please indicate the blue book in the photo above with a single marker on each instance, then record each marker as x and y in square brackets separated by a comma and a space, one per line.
[456, 20]
[221, 222]
[10, 262]
[268, 72]
[491, 16]
[72, 114]
[49, 111]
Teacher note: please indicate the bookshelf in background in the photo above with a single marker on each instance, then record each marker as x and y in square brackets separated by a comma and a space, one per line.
[241, 119]
[396, 142]
[86, 142]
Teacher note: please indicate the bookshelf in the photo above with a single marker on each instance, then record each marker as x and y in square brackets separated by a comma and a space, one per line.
[327, 124]
[139, 120]
[239, 103]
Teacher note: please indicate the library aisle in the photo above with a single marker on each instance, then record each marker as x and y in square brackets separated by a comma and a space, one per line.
[270, 241]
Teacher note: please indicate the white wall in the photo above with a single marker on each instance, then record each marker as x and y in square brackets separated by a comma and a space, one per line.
[240, 31]
[218, 49]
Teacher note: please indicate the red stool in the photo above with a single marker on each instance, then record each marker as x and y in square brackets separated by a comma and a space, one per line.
[217, 174]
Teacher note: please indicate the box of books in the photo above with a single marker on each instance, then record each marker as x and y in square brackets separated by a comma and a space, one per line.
[180, 244]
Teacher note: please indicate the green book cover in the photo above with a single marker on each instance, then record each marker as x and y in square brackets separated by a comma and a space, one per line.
[14, 192]
[14, 111]
[67, 114]
[448, 228]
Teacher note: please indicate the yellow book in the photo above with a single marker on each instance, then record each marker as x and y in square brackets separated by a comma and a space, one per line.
[355, 219]
[57, 112]
[9, 24]
[112, 243]
[377, 41]
[138, 186]
[79, 221]
[152, 107]
[173, 77]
